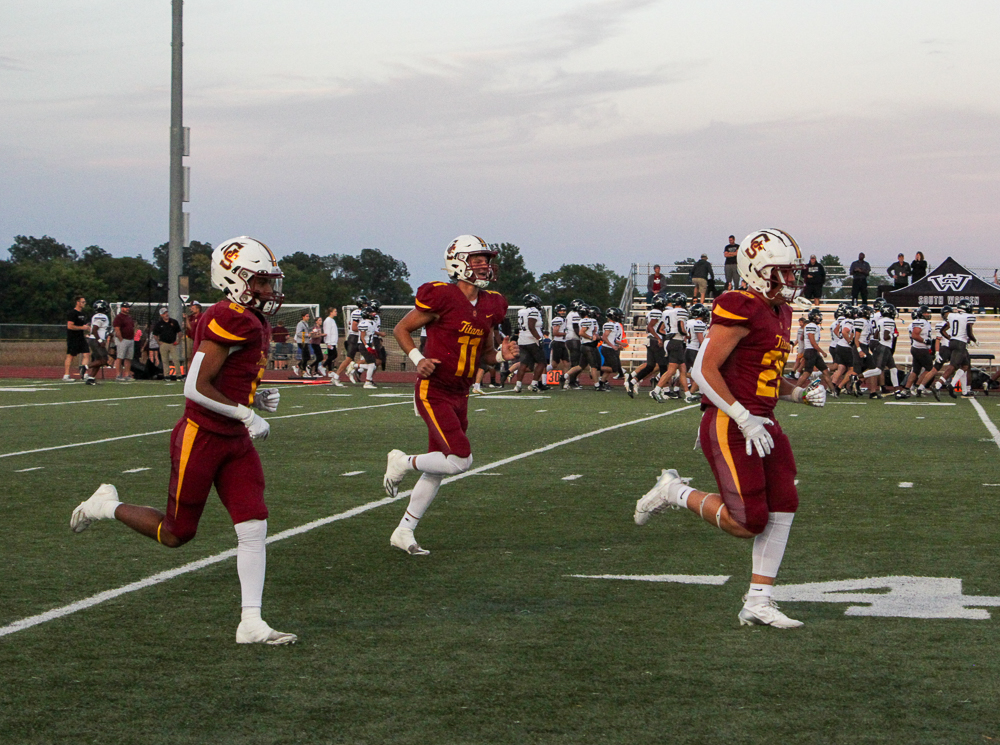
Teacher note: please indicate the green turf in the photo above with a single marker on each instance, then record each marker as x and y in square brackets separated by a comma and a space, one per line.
[489, 639]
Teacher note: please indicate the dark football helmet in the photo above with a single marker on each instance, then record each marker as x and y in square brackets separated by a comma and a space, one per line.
[879, 302]
[577, 305]
[532, 301]
[964, 305]
[375, 306]
[679, 299]
[560, 310]
[815, 316]
[361, 301]
[698, 310]
[865, 311]
[659, 301]
[100, 306]
[889, 310]
[615, 314]
[922, 312]
[945, 310]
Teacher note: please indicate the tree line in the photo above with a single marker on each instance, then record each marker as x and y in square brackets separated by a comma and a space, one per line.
[42, 275]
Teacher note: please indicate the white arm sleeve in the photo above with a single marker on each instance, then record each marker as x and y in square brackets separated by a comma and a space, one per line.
[734, 411]
[191, 392]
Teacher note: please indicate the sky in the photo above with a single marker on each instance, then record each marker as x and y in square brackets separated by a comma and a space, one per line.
[614, 131]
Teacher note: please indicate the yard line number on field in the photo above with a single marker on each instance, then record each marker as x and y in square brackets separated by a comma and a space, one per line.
[26, 623]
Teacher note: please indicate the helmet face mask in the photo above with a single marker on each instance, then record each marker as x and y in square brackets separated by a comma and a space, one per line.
[460, 265]
[770, 262]
[248, 274]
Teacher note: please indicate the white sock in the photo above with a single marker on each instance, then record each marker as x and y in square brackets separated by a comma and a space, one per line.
[107, 510]
[251, 561]
[421, 497]
[440, 464]
[759, 594]
[370, 372]
[958, 380]
[769, 546]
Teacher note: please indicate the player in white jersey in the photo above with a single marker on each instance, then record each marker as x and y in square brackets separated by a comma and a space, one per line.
[800, 348]
[589, 357]
[558, 353]
[571, 333]
[960, 322]
[613, 341]
[655, 354]
[861, 359]
[673, 329]
[351, 345]
[885, 331]
[813, 353]
[697, 328]
[841, 340]
[920, 332]
[97, 340]
[529, 340]
[366, 345]
[941, 349]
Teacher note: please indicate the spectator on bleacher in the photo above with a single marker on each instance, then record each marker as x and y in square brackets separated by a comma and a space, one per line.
[77, 329]
[124, 326]
[814, 277]
[654, 284]
[918, 267]
[900, 273]
[732, 272]
[700, 274]
[859, 271]
[165, 331]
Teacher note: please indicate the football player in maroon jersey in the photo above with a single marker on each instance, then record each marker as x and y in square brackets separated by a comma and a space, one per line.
[460, 317]
[739, 370]
[212, 441]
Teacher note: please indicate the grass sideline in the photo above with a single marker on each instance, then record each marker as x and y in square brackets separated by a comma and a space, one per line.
[489, 639]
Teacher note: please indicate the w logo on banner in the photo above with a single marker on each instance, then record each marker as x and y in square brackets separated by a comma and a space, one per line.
[950, 282]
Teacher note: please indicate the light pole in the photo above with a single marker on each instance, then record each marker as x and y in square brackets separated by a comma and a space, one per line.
[179, 175]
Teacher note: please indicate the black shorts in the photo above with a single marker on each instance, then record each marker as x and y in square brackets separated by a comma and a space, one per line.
[814, 360]
[656, 355]
[610, 357]
[76, 345]
[558, 352]
[842, 356]
[812, 292]
[675, 352]
[573, 347]
[368, 356]
[883, 358]
[690, 355]
[531, 354]
[351, 346]
[860, 363]
[959, 353]
[945, 353]
[98, 353]
[590, 356]
[922, 360]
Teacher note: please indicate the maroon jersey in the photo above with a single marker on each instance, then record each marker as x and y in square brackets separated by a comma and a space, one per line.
[460, 333]
[247, 332]
[753, 369]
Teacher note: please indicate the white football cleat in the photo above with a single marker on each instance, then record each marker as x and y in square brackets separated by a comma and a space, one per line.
[258, 632]
[90, 510]
[664, 495]
[766, 614]
[402, 538]
[396, 469]
[352, 375]
[369, 384]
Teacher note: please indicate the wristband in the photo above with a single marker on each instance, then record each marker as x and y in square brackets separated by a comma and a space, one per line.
[738, 413]
[244, 413]
[415, 356]
[796, 396]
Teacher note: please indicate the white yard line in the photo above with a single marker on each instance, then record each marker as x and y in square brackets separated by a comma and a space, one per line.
[91, 401]
[162, 431]
[986, 420]
[26, 623]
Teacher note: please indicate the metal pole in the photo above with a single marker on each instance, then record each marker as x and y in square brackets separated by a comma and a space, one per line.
[175, 247]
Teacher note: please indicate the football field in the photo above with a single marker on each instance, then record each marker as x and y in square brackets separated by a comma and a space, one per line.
[543, 613]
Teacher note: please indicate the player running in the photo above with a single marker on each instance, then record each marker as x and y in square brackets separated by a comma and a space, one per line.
[212, 441]
[738, 369]
[460, 317]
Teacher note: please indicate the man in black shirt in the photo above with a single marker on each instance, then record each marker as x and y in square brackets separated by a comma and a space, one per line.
[77, 329]
[165, 331]
[860, 270]
[900, 273]
[814, 276]
[732, 272]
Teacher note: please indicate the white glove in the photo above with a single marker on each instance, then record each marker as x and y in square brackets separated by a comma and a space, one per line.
[815, 394]
[256, 425]
[266, 399]
[753, 429]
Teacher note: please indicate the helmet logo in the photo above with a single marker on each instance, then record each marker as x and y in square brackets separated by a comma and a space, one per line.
[757, 245]
[229, 255]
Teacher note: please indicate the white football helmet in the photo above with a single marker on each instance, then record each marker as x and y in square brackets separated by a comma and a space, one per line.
[239, 260]
[771, 263]
[456, 260]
